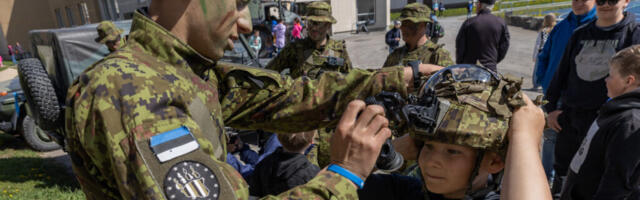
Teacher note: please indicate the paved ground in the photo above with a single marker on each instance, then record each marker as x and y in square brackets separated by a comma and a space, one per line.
[369, 51]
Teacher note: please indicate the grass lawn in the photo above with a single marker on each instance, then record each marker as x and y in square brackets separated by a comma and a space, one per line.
[524, 3]
[25, 175]
[463, 11]
[7, 64]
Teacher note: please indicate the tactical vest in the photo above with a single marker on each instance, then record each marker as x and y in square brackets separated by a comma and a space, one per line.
[427, 53]
[313, 62]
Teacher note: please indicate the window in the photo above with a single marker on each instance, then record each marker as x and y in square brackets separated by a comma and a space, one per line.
[366, 11]
[69, 16]
[83, 18]
[59, 17]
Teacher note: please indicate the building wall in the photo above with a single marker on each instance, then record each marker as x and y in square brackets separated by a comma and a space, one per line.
[345, 14]
[382, 15]
[18, 17]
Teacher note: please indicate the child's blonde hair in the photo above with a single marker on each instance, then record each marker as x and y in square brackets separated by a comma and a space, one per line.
[627, 61]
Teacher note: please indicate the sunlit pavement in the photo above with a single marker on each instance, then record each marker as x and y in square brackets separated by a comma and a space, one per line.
[368, 50]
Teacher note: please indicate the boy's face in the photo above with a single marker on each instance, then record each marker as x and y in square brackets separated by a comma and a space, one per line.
[446, 168]
[607, 11]
[581, 7]
[617, 84]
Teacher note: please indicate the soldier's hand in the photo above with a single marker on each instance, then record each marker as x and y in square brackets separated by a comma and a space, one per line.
[527, 123]
[358, 138]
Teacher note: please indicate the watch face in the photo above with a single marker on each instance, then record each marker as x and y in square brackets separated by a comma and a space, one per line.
[191, 180]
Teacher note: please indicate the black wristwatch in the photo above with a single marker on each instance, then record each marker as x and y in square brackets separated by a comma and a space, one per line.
[415, 66]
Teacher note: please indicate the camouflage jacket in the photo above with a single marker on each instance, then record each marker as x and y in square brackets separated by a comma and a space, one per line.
[429, 53]
[302, 58]
[147, 121]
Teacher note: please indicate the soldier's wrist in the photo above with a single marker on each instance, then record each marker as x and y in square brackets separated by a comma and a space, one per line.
[357, 180]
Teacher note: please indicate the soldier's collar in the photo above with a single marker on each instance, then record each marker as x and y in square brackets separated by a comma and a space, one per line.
[163, 45]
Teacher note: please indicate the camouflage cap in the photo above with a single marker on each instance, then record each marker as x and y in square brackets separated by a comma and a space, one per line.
[479, 111]
[416, 12]
[319, 11]
[107, 31]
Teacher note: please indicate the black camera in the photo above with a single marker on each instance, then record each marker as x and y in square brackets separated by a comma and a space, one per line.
[418, 114]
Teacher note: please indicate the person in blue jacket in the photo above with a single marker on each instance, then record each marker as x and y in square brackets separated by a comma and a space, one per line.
[547, 63]
[553, 49]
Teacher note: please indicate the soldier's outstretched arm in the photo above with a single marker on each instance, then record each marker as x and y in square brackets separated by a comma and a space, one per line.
[285, 59]
[260, 99]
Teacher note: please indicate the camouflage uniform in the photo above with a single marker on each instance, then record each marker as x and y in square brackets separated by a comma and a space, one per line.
[108, 31]
[147, 122]
[429, 52]
[302, 58]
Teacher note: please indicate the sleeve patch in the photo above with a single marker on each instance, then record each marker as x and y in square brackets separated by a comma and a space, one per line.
[173, 143]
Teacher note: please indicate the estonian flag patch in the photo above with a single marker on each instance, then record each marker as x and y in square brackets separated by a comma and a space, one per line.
[173, 143]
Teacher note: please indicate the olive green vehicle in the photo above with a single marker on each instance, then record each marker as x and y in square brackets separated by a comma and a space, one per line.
[60, 55]
[15, 120]
[63, 54]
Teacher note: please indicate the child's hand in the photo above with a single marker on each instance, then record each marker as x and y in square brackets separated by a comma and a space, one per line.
[527, 122]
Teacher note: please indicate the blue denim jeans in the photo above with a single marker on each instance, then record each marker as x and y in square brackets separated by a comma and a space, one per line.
[548, 146]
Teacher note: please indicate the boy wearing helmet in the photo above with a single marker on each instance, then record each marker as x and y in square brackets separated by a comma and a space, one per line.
[465, 156]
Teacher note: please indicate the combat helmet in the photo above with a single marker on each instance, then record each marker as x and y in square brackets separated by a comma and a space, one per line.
[416, 12]
[320, 12]
[475, 106]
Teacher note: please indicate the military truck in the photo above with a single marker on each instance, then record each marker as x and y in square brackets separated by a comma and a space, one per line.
[14, 119]
[63, 54]
[60, 56]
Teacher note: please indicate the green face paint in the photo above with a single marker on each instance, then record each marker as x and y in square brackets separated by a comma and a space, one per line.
[203, 5]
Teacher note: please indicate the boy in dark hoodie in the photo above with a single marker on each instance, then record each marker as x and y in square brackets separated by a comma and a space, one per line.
[606, 165]
[577, 89]
[286, 168]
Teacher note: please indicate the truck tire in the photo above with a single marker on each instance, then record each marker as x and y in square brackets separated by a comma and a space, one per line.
[40, 93]
[36, 137]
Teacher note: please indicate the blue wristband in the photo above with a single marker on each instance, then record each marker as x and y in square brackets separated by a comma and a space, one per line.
[347, 174]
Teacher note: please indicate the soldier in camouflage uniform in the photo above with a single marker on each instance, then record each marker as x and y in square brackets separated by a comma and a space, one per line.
[109, 35]
[470, 142]
[147, 121]
[312, 56]
[317, 52]
[417, 47]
